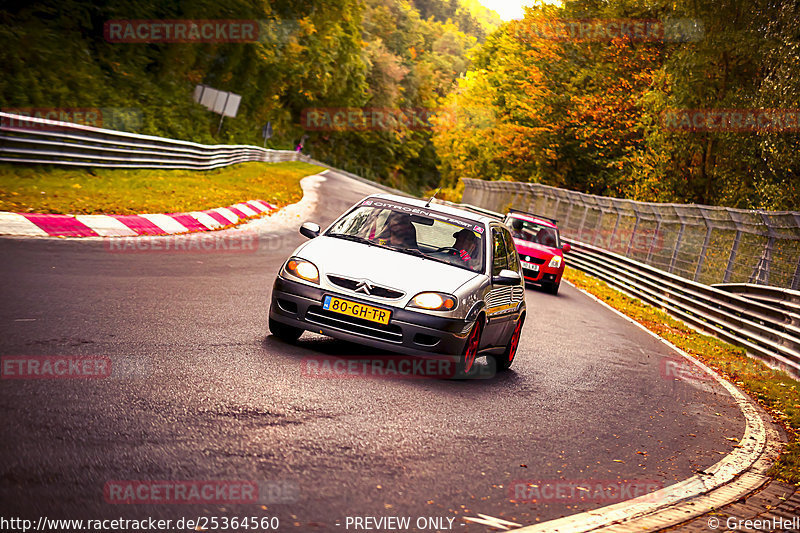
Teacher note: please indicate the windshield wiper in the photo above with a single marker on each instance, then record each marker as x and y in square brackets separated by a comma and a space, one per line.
[418, 253]
[354, 238]
[409, 251]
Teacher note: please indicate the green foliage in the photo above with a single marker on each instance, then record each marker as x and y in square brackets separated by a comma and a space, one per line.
[320, 54]
[587, 114]
[414, 52]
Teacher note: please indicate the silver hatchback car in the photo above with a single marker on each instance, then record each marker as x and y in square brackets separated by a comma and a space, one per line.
[407, 276]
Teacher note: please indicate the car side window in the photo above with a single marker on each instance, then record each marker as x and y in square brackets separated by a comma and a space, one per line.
[499, 252]
[513, 257]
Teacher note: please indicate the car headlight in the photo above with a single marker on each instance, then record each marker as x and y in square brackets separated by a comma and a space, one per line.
[302, 269]
[555, 262]
[434, 301]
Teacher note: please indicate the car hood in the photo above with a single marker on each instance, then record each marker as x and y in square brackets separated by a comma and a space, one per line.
[383, 267]
[536, 250]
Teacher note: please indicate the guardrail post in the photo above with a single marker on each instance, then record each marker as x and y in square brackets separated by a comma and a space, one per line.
[761, 271]
[732, 259]
[614, 231]
[702, 257]
[796, 277]
[555, 210]
[599, 226]
[633, 233]
[795, 284]
[677, 246]
[579, 235]
[566, 218]
[655, 237]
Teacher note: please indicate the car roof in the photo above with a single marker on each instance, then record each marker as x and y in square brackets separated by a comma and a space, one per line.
[533, 218]
[463, 213]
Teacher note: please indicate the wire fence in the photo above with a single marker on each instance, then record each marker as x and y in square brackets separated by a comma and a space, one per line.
[702, 243]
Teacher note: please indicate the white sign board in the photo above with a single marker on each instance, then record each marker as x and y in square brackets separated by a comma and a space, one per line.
[222, 102]
[219, 104]
[209, 98]
[198, 93]
[232, 106]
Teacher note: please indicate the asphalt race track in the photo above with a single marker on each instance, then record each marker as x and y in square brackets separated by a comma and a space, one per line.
[200, 391]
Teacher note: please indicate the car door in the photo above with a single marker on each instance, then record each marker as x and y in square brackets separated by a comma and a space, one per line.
[499, 307]
[517, 294]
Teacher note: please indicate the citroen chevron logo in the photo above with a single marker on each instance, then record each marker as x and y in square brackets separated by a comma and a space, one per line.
[364, 286]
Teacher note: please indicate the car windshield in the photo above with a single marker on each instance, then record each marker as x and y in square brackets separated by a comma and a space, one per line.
[534, 232]
[416, 231]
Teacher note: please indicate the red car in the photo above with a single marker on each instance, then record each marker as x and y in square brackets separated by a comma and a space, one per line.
[540, 248]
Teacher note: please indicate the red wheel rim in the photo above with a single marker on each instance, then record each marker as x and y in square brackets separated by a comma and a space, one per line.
[472, 347]
[514, 342]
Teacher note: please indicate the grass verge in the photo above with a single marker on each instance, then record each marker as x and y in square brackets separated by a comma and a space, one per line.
[773, 389]
[49, 189]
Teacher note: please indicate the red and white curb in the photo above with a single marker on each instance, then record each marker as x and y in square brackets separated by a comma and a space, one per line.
[44, 225]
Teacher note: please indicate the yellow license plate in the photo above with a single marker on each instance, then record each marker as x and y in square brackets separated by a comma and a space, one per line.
[366, 312]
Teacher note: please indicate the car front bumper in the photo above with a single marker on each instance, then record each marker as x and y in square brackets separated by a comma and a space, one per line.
[300, 305]
[545, 274]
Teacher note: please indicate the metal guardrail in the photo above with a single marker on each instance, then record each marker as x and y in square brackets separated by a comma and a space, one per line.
[703, 243]
[763, 320]
[766, 331]
[785, 299]
[36, 140]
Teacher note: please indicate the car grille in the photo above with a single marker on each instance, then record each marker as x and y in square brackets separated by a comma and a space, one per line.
[365, 328]
[375, 290]
[534, 260]
[530, 273]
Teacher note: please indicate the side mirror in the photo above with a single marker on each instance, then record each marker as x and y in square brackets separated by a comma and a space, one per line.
[566, 247]
[310, 230]
[506, 277]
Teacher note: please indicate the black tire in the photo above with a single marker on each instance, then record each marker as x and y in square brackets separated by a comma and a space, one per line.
[503, 361]
[465, 363]
[284, 332]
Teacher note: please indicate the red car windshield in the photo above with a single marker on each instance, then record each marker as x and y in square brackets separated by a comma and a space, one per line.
[534, 232]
